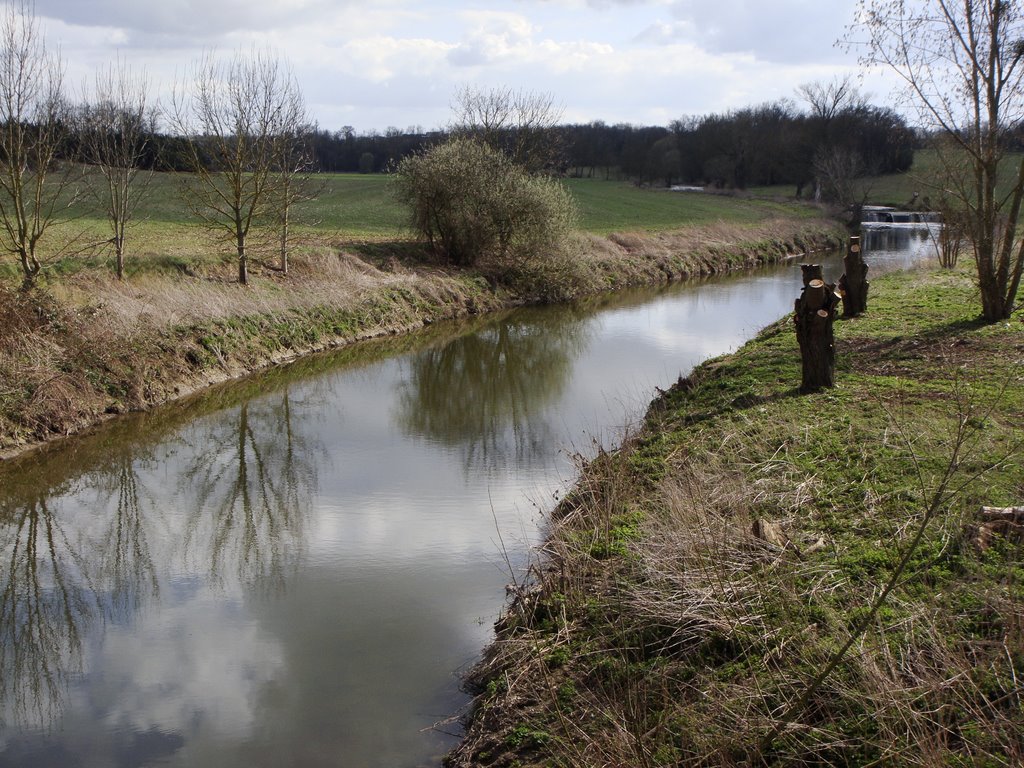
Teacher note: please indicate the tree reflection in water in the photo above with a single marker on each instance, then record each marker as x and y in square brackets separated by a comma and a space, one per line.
[126, 562]
[251, 485]
[60, 577]
[45, 606]
[896, 239]
[485, 392]
[77, 550]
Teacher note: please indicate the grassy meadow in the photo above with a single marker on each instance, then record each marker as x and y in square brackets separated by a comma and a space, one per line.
[615, 206]
[360, 210]
[357, 209]
[897, 189]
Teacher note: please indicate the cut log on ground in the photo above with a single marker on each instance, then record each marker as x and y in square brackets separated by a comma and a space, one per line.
[997, 521]
[853, 285]
[814, 313]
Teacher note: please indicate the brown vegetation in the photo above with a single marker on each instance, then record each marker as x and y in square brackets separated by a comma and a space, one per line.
[91, 345]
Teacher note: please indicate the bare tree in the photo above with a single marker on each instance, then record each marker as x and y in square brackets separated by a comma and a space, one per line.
[235, 114]
[116, 125]
[961, 64]
[522, 124]
[827, 100]
[33, 115]
[294, 163]
[839, 174]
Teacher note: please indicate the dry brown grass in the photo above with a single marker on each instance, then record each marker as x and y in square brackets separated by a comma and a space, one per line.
[628, 257]
[91, 345]
[695, 652]
[318, 277]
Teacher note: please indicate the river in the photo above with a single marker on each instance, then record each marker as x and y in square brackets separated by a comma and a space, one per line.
[294, 570]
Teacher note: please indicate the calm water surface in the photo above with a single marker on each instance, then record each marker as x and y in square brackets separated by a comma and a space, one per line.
[293, 571]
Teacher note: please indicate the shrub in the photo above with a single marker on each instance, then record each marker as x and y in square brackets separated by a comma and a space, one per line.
[474, 206]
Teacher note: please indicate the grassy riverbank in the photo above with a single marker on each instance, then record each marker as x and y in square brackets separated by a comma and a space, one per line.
[83, 345]
[698, 580]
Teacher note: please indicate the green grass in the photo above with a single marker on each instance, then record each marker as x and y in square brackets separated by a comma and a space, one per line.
[359, 206]
[611, 206]
[359, 210]
[898, 189]
[689, 632]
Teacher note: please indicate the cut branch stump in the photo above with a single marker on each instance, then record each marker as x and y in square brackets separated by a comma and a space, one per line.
[996, 521]
[853, 285]
[814, 314]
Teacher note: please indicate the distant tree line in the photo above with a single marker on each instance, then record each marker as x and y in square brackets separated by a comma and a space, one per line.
[757, 146]
[769, 144]
[773, 143]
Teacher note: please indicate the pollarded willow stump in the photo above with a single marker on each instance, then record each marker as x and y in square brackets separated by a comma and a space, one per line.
[814, 313]
[853, 285]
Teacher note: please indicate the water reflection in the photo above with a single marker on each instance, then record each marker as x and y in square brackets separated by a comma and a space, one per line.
[485, 392]
[84, 550]
[898, 240]
[44, 610]
[251, 480]
[126, 560]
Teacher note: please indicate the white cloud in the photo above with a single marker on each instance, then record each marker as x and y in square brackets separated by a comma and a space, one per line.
[780, 31]
[378, 59]
[395, 62]
[201, 19]
[163, 674]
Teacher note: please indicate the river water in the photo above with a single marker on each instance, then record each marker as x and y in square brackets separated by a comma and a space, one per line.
[293, 570]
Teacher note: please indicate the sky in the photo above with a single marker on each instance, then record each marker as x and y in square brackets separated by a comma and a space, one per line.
[375, 64]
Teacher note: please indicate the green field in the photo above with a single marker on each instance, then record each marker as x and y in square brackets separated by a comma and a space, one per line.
[355, 209]
[358, 207]
[898, 189]
[615, 206]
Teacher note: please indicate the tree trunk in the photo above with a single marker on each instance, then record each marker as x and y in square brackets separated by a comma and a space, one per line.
[30, 268]
[993, 305]
[853, 285]
[814, 313]
[243, 265]
[284, 240]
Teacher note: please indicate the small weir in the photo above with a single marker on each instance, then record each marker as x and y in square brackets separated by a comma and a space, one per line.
[874, 215]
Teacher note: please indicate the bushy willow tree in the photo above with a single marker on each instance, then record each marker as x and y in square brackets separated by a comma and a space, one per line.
[962, 65]
[473, 204]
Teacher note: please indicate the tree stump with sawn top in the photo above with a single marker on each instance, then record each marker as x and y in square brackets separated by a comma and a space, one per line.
[814, 313]
[853, 285]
